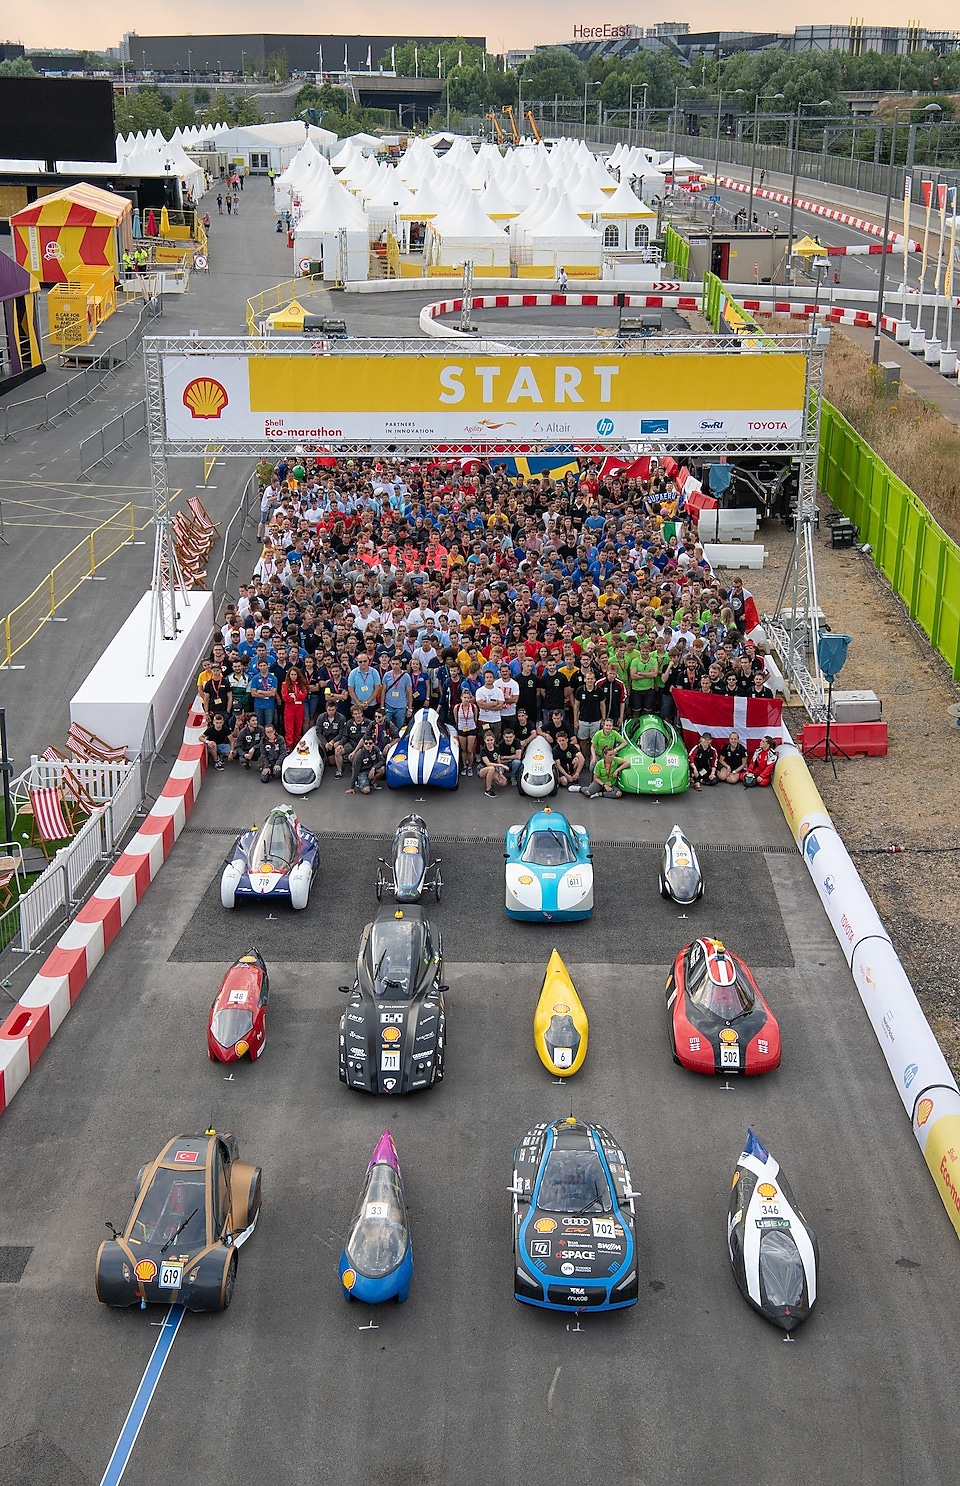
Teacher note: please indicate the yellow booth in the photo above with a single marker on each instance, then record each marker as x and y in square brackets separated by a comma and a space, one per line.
[81, 227]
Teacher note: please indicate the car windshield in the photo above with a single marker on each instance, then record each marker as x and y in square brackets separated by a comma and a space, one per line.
[231, 1023]
[395, 948]
[422, 735]
[171, 1198]
[574, 1182]
[378, 1239]
[781, 1268]
[725, 1001]
[651, 742]
[549, 848]
[275, 847]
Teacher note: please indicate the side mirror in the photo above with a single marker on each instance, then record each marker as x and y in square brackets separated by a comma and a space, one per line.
[630, 1194]
[516, 1191]
[344, 990]
[112, 1229]
[443, 990]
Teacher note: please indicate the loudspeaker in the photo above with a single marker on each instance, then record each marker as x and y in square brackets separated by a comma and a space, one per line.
[832, 654]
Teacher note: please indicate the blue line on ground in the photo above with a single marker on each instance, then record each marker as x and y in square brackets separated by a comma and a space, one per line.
[123, 1449]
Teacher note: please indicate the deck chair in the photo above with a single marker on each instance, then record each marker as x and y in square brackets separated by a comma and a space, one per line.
[6, 891]
[92, 749]
[51, 820]
[72, 783]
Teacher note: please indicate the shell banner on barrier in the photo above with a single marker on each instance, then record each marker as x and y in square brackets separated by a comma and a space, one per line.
[798, 795]
[942, 1149]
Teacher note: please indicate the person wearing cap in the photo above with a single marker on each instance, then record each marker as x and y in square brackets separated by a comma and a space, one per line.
[490, 702]
[248, 741]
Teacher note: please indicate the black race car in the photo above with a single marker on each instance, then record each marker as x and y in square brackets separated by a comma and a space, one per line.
[194, 1206]
[574, 1243]
[393, 1031]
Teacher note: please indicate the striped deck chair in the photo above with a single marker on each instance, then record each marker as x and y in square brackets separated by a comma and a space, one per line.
[72, 783]
[92, 749]
[52, 820]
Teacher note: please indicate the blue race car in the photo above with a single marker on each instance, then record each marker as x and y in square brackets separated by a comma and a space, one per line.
[276, 861]
[549, 871]
[574, 1224]
[426, 752]
[377, 1259]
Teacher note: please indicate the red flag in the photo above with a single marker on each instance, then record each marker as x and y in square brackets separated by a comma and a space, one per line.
[751, 617]
[630, 469]
[942, 196]
[927, 188]
[751, 717]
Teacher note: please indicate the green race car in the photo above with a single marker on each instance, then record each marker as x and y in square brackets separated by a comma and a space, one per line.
[656, 758]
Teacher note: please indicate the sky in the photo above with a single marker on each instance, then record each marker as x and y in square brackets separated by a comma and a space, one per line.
[101, 23]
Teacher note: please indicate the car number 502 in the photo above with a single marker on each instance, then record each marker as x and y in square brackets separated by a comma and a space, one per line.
[170, 1276]
[729, 1057]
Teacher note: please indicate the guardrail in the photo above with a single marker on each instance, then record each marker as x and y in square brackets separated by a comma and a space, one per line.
[280, 294]
[97, 447]
[99, 361]
[20, 626]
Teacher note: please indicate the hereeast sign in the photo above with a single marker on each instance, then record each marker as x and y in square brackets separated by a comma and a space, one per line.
[503, 398]
[605, 32]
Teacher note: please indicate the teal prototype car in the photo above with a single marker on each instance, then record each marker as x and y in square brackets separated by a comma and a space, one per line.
[656, 758]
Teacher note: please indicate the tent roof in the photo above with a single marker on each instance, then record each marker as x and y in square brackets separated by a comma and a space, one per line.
[89, 199]
[14, 280]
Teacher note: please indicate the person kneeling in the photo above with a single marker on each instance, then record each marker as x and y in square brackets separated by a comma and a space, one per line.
[703, 762]
[568, 762]
[248, 740]
[733, 760]
[762, 764]
[273, 750]
[605, 775]
[368, 767]
[216, 735]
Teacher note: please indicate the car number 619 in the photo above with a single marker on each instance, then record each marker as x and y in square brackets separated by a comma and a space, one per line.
[170, 1276]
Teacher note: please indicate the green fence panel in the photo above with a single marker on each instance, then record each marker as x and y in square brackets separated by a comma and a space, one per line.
[677, 250]
[909, 547]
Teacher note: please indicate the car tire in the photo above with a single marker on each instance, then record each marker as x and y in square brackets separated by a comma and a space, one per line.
[380, 886]
[227, 898]
[229, 1282]
[438, 888]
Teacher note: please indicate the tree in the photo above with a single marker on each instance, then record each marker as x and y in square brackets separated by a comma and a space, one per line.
[551, 73]
[420, 57]
[183, 115]
[218, 109]
[245, 111]
[18, 67]
[276, 67]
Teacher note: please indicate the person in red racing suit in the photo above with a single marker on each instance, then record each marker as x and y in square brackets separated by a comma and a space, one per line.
[762, 763]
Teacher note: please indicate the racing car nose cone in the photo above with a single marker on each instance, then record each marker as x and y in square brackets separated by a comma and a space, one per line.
[385, 1151]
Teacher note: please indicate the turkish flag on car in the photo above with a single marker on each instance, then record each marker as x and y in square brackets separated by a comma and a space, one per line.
[751, 717]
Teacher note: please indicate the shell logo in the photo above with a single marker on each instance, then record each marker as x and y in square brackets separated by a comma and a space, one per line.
[653, 768]
[391, 1034]
[561, 1008]
[348, 1279]
[924, 1111]
[545, 1225]
[767, 1190]
[525, 879]
[145, 1270]
[205, 397]
[728, 1036]
[241, 1048]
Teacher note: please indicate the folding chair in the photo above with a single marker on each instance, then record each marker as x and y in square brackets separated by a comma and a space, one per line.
[92, 749]
[72, 783]
[52, 820]
[6, 892]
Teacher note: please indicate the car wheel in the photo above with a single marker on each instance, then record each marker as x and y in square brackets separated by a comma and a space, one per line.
[663, 889]
[438, 887]
[229, 1282]
[227, 897]
[380, 884]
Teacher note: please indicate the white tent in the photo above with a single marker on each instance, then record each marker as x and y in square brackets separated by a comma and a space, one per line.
[463, 233]
[626, 222]
[317, 236]
[562, 238]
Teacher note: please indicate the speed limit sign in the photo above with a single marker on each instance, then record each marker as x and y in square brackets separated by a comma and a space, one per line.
[304, 265]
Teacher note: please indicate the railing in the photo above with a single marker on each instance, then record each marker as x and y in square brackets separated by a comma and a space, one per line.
[46, 903]
[97, 447]
[40, 411]
[87, 848]
[280, 294]
[25, 621]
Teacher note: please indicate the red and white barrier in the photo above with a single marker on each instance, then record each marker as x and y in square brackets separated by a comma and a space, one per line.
[82, 945]
[895, 239]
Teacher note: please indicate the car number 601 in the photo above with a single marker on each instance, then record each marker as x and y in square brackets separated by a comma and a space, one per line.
[170, 1276]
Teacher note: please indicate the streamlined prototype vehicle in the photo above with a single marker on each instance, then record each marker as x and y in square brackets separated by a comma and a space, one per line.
[237, 1025]
[549, 870]
[680, 876]
[276, 861]
[411, 871]
[377, 1259]
[194, 1207]
[773, 1249]
[302, 768]
[560, 1027]
[719, 1022]
[426, 752]
[657, 761]
[574, 1239]
[392, 1034]
[538, 774]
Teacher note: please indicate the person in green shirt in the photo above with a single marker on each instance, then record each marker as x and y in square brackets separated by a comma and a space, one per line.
[607, 737]
[603, 785]
[644, 679]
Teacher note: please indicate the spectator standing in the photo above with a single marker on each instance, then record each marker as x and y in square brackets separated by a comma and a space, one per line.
[466, 721]
[294, 694]
[364, 685]
[263, 693]
[398, 694]
[490, 703]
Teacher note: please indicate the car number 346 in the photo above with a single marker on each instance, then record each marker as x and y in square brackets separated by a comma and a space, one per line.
[170, 1276]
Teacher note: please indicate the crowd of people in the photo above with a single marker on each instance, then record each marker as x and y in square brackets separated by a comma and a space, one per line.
[514, 607]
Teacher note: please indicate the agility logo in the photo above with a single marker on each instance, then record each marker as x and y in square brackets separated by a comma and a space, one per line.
[205, 397]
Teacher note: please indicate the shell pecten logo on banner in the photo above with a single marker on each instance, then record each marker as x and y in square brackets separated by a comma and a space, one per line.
[205, 397]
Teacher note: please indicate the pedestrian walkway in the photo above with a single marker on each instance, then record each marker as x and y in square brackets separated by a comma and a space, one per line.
[924, 380]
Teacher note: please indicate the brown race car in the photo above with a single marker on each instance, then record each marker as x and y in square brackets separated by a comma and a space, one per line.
[195, 1205]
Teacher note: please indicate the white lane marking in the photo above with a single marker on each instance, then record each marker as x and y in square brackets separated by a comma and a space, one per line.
[550, 1391]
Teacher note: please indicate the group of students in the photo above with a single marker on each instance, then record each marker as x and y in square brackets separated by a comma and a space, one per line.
[555, 605]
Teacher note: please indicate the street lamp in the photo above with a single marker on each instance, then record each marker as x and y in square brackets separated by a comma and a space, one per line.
[824, 103]
[586, 85]
[676, 126]
[243, 64]
[189, 63]
[774, 97]
[716, 172]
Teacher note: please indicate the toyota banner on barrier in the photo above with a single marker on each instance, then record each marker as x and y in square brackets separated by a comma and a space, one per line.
[496, 398]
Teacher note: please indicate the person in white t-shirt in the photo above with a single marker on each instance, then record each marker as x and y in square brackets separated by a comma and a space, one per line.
[490, 703]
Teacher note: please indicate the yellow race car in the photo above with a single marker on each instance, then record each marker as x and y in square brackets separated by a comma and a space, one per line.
[560, 1027]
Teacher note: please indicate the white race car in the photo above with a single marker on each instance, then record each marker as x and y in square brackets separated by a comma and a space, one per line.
[538, 776]
[302, 768]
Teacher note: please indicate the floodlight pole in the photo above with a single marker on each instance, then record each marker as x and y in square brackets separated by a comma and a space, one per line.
[167, 586]
[884, 245]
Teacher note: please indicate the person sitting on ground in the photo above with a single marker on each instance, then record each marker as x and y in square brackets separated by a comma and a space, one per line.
[273, 750]
[606, 771]
[489, 768]
[703, 762]
[330, 731]
[733, 760]
[247, 741]
[568, 761]
[511, 754]
[368, 766]
[762, 763]
[216, 735]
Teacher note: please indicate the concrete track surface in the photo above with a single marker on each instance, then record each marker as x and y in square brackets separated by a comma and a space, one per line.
[461, 1384]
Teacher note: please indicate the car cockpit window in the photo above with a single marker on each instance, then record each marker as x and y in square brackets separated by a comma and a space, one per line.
[275, 846]
[423, 736]
[172, 1202]
[378, 1238]
[574, 1182]
[395, 949]
[548, 849]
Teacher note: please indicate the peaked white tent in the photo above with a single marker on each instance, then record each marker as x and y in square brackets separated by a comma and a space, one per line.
[337, 225]
[463, 233]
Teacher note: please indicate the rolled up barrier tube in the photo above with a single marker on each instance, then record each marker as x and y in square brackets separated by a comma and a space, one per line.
[927, 1088]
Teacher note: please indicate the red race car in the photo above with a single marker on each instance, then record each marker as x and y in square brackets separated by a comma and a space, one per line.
[238, 1016]
[719, 1022]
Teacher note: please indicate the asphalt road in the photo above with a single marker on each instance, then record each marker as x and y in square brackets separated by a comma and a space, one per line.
[463, 1384]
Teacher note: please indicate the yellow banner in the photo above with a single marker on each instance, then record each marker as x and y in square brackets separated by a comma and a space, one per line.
[546, 384]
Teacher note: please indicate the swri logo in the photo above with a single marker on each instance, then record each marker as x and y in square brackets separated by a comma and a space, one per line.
[604, 426]
[711, 423]
[654, 425]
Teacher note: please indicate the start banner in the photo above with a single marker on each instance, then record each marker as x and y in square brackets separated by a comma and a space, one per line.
[498, 399]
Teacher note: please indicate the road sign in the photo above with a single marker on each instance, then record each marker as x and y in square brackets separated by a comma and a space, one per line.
[714, 198]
